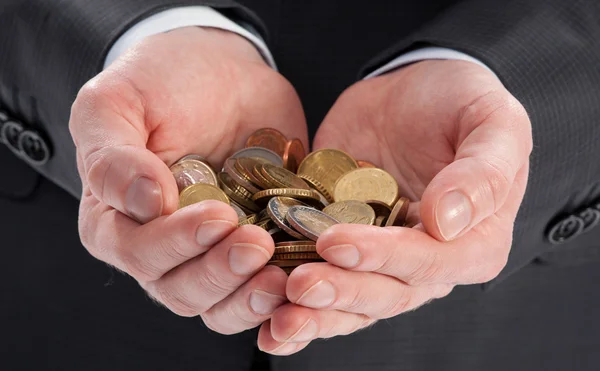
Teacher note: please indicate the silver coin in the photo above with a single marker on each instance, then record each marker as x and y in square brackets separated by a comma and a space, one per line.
[308, 221]
[230, 169]
[238, 210]
[261, 153]
[277, 208]
[191, 171]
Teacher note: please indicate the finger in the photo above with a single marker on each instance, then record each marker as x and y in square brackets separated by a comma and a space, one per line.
[416, 258]
[146, 252]
[292, 323]
[478, 182]
[267, 344]
[325, 286]
[195, 286]
[250, 305]
[111, 141]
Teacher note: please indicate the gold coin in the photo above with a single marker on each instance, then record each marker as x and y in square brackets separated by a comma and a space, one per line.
[296, 243]
[316, 185]
[308, 221]
[201, 192]
[327, 166]
[236, 192]
[289, 262]
[264, 182]
[263, 197]
[297, 255]
[367, 184]
[295, 249]
[250, 219]
[239, 178]
[399, 212]
[192, 171]
[352, 212]
[245, 165]
[282, 178]
[380, 220]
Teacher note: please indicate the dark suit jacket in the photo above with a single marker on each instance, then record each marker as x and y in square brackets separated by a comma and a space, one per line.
[63, 310]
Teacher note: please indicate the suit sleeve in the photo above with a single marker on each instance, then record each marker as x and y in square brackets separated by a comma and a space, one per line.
[49, 49]
[547, 54]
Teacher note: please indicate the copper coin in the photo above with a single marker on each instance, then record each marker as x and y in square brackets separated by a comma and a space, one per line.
[308, 221]
[289, 263]
[268, 138]
[278, 207]
[362, 163]
[296, 243]
[381, 220]
[398, 216]
[293, 155]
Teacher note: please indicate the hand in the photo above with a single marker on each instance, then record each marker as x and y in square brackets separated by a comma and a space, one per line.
[458, 142]
[192, 90]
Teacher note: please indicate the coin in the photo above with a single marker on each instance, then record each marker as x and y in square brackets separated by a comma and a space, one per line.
[244, 209]
[268, 138]
[306, 195]
[352, 212]
[191, 171]
[261, 153]
[308, 221]
[264, 182]
[250, 219]
[201, 192]
[296, 243]
[362, 163]
[380, 208]
[239, 178]
[297, 255]
[238, 210]
[237, 193]
[293, 155]
[288, 270]
[289, 263]
[316, 185]
[245, 166]
[266, 224]
[295, 249]
[327, 166]
[367, 184]
[399, 212]
[277, 208]
[380, 220]
[281, 177]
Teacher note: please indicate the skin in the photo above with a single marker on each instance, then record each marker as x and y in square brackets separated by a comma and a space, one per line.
[442, 128]
[192, 90]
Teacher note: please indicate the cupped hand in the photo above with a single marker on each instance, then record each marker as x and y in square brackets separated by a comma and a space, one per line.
[189, 91]
[458, 143]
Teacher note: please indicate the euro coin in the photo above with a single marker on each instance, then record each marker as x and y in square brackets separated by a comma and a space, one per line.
[277, 208]
[317, 186]
[306, 195]
[282, 178]
[399, 213]
[298, 255]
[268, 138]
[261, 153]
[308, 221]
[237, 193]
[327, 166]
[192, 171]
[239, 178]
[351, 212]
[293, 155]
[367, 184]
[201, 192]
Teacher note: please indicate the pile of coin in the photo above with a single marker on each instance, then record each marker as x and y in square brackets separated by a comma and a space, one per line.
[270, 183]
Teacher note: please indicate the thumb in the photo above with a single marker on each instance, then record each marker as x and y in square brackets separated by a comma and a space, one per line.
[114, 162]
[477, 183]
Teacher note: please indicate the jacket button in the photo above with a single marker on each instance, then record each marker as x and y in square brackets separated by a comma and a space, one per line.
[590, 217]
[565, 230]
[10, 133]
[34, 148]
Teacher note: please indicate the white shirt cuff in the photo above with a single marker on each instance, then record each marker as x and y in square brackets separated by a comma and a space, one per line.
[418, 55]
[189, 16]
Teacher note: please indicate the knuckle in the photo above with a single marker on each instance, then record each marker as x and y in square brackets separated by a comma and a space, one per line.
[213, 283]
[397, 304]
[428, 269]
[175, 301]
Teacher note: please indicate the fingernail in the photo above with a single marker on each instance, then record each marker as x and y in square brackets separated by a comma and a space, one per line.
[246, 258]
[284, 349]
[345, 256]
[307, 332]
[144, 200]
[213, 231]
[319, 295]
[453, 214]
[262, 302]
